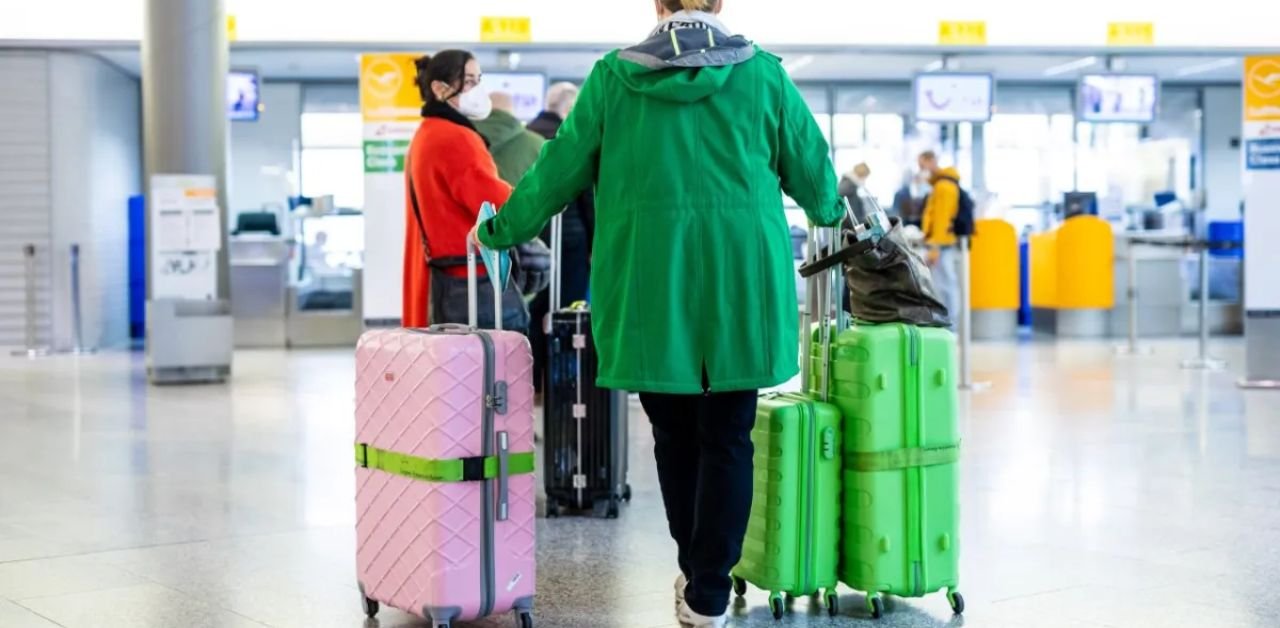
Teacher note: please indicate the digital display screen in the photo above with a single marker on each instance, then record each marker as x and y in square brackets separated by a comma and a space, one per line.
[952, 97]
[1119, 98]
[243, 96]
[528, 91]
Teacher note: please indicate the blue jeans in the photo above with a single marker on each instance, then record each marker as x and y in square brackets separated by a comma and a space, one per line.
[946, 279]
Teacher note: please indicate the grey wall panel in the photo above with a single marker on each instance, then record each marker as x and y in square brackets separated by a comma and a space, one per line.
[25, 190]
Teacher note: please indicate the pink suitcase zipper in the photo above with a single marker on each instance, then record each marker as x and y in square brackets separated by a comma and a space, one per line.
[444, 479]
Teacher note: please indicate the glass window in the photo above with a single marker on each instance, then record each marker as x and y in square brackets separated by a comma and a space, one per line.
[336, 171]
[333, 157]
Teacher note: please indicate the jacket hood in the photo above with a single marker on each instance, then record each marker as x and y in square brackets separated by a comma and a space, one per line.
[948, 173]
[687, 58]
[500, 128]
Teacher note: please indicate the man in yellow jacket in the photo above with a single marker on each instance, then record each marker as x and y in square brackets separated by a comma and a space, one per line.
[939, 216]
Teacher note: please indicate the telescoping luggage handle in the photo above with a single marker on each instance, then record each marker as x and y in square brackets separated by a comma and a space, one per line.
[824, 297]
[473, 292]
[867, 233]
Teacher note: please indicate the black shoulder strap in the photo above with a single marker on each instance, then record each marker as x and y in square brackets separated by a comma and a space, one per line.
[417, 212]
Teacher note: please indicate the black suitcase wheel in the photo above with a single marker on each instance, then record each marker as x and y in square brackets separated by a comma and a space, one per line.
[957, 602]
[739, 586]
[833, 603]
[875, 606]
[370, 608]
[626, 493]
[776, 606]
[526, 620]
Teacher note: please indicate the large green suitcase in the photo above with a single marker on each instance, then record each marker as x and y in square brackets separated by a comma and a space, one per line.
[792, 543]
[894, 385]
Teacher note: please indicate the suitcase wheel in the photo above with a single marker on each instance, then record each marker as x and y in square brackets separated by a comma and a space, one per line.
[739, 586]
[526, 620]
[626, 493]
[370, 608]
[957, 602]
[875, 606]
[833, 603]
[776, 606]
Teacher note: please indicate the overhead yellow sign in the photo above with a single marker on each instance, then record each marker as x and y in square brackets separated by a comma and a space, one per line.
[388, 89]
[1131, 34]
[1262, 89]
[506, 30]
[231, 28]
[952, 33]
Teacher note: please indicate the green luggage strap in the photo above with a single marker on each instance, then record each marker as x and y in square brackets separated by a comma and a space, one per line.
[474, 469]
[902, 458]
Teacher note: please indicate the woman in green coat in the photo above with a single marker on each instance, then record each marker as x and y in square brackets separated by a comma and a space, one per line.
[690, 139]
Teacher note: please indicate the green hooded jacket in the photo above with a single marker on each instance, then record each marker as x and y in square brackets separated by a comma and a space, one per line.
[691, 138]
[513, 147]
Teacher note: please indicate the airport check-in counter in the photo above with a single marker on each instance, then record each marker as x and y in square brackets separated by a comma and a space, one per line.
[994, 280]
[1073, 278]
[259, 288]
[1168, 287]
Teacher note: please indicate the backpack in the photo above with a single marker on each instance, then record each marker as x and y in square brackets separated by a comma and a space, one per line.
[963, 224]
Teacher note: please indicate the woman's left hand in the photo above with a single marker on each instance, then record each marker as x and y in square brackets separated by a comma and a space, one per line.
[474, 237]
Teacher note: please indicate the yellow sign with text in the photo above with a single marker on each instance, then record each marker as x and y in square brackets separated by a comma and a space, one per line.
[962, 33]
[506, 30]
[1262, 89]
[1131, 34]
[388, 86]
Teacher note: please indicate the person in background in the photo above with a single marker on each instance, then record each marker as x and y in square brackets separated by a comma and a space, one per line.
[514, 148]
[577, 229]
[690, 137]
[449, 174]
[850, 184]
[940, 210]
[908, 201]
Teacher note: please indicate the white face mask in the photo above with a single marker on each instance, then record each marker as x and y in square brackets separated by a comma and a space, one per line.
[475, 104]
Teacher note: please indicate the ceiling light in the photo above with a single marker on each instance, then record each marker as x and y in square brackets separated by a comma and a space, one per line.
[792, 66]
[1072, 66]
[934, 66]
[1209, 66]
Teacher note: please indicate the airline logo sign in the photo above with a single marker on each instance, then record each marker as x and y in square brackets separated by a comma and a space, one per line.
[388, 90]
[1261, 89]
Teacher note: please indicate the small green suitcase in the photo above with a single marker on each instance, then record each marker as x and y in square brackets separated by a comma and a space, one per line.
[894, 386]
[792, 543]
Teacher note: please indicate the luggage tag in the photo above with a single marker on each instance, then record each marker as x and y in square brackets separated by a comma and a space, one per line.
[496, 263]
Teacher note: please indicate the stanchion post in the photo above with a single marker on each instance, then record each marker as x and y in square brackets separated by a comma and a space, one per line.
[31, 350]
[1202, 361]
[1131, 295]
[77, 320]
[966, 322]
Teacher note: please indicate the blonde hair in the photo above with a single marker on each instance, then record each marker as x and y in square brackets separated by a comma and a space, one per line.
[676, 6]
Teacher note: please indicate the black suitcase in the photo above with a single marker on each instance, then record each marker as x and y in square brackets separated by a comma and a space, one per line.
[585, 427]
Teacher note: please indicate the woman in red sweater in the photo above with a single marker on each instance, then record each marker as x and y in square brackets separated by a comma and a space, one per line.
[449, 174]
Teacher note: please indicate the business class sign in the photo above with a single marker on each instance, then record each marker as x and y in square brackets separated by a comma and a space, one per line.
[392, 110]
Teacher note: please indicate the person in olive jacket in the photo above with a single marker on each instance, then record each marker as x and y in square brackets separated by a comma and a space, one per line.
[691, 138]
[513, 147]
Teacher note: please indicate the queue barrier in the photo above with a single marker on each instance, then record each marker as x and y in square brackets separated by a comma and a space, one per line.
[994, 279]
[1073, 278]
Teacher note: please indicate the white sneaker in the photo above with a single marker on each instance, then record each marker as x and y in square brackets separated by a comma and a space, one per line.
[693, 620]
[681, 584]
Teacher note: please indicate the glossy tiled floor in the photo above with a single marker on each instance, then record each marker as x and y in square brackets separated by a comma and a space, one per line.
[1097, 491]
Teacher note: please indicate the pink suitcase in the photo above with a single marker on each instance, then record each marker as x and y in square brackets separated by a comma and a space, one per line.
[444, 478]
